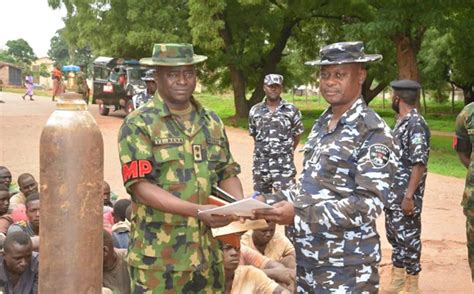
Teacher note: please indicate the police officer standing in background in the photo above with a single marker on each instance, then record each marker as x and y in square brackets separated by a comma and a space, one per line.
[403, 209]
[142, 97]
[275, 126]
[463, 145]
[349, 163]
[172, 152]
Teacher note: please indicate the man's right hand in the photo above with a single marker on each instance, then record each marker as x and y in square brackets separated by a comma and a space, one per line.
[215, 220]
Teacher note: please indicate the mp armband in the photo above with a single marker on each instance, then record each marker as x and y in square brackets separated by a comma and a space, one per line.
[136, 169]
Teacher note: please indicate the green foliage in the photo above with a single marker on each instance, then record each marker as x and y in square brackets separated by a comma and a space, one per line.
[5, 57]
[21, 51]
[63, 53]
[443, 159]
[59, 48]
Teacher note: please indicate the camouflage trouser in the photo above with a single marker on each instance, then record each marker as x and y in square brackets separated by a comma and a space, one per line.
[151, 282]
[470, 239]
[349, 279]
[273, 174]
[403, 233]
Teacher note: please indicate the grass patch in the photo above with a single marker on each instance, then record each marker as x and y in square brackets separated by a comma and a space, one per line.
[443, 159]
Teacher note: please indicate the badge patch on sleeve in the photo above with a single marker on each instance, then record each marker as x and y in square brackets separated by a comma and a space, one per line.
[136, 169]
[379, 155]
[417, 139]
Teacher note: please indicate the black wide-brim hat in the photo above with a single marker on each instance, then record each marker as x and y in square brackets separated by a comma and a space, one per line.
[344, 52]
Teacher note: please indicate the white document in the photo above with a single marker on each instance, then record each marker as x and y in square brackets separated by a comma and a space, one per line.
[242, 207]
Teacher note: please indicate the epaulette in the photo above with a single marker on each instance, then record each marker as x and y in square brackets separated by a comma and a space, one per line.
[373, 121]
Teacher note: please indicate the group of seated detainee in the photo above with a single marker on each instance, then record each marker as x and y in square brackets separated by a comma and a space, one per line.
[264, 261]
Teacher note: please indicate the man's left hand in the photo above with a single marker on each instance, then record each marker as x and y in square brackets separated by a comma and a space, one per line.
[282, 213]
[408, 205]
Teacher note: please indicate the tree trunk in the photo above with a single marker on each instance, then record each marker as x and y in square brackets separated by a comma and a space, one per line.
[406, 58]
[370, 94]
[238, 86]
[273, 59]
[236, 75]
[407, 49]
[452, 97]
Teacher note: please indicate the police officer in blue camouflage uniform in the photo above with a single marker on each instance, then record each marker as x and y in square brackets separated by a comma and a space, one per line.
[142, 97]
[403, 209]
[349, 163]
[276, 127]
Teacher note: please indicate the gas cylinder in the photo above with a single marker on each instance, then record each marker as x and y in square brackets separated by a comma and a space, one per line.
[71, 179]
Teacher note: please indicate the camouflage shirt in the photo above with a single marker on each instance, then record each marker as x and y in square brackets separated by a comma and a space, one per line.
[274, 132]
[463, 143]
[346, 177]
[413, 138]
[155, 146]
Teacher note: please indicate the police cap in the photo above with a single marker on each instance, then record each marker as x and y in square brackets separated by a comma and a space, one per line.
[405, 85]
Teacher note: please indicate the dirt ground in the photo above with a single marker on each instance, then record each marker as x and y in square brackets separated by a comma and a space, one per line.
[444, 256]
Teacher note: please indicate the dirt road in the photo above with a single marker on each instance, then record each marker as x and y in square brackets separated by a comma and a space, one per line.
[444, 257]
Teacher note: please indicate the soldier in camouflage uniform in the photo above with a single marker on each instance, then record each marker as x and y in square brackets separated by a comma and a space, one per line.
[347, 173]
[172, 152]
[276, 127]
[463, 145]
[403, 208]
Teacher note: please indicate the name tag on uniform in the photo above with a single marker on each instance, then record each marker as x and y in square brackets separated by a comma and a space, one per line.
[168, 141]
[215, 141]
[197, 152]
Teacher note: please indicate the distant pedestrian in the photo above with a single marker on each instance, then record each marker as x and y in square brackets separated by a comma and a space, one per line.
[57, 77]
[29, 87]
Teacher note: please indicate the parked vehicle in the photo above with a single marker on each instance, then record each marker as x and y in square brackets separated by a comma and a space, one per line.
[115, 82]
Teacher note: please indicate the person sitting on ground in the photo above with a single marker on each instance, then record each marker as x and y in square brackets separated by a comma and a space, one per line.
[27, 184]
[115, 268]
[272, 244]
[6, 179]
[273, 269]
[107, 193]
[108, 218]
[19, 265]
[243, 278]
[5, 219]
[121, 227]
[32, 226]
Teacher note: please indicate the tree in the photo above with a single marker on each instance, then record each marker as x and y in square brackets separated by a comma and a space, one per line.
[59, 48]
[245, 39]
[462, 48]
[5, 57]
[63, 53]
[250, 38]
[21, 51]
[124, 28]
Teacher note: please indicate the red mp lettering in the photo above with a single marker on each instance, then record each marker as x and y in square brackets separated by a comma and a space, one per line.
[136, 169]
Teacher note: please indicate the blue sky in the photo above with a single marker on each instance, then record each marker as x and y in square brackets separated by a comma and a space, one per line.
[32, 20]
